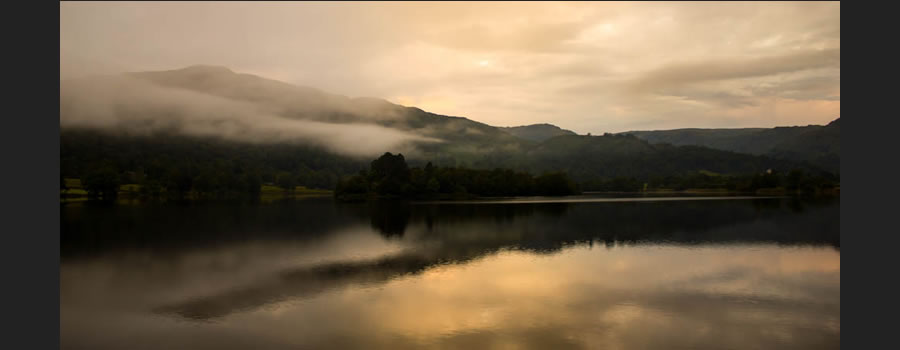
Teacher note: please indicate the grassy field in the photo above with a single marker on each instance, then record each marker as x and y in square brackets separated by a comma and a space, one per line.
[75, 188]
[74, 191]
[73, 183]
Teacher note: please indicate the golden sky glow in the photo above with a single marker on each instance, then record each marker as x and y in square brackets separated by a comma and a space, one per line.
[588, 67]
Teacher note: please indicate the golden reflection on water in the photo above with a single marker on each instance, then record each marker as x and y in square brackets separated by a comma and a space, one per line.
[624, 297]
[751, 275]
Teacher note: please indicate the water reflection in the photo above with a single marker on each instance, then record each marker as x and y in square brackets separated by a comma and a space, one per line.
[725, 273]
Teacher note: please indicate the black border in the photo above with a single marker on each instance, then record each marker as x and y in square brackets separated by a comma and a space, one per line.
[869, 218]
[31, 163]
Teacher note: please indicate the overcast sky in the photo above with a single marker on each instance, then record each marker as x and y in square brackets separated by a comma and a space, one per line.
[588, 67]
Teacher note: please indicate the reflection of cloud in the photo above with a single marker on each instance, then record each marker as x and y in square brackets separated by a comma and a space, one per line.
[296, 283]
[627, 308]
[583, 303]
[461, 234]
[516, 276]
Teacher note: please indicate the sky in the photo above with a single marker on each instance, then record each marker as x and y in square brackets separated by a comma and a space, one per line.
[590, 67]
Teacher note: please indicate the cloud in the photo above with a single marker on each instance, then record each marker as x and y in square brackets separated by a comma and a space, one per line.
[606, 66]
[824, 87]
[135, 106]
[737, 68]
[527, 36]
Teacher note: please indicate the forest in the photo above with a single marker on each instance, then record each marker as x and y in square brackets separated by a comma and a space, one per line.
[100, 164]
[389, 176]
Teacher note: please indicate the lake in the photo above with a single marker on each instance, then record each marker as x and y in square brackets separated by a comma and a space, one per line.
[586, 272]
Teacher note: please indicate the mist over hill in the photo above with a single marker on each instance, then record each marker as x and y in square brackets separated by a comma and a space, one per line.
[201, 121]
[214, 101]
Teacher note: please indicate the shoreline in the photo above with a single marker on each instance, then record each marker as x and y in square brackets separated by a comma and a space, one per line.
[79, 195]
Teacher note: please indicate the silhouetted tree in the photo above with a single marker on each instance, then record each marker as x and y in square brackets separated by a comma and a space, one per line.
[102, 182]
[390, 175]
[286, 180]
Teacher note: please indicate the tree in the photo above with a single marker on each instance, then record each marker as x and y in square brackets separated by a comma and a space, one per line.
[252, 184]
[429, 170]
[354, 185]
[178, 182]
[102, 182]
[205, 183]
[433, 185]
[390, 174]
[554, 184]
[795, 179]
[150, 188]
[286, 180]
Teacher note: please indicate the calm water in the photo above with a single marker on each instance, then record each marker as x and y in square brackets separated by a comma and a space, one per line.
[717, 274]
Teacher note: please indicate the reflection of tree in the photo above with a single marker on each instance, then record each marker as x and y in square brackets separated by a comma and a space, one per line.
[796, 204]
[767, 204]
[93, 228]
[389, 217]
[497, 213]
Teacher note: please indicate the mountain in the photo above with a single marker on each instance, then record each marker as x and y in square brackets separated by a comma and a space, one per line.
[608, 156]
[458, 135]
[817, 144]
[205, 126]
[537, 132]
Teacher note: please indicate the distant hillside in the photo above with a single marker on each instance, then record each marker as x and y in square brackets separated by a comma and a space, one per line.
[284, 101]
[208, 127]
[817, 144]
[537, 132]
[608, 156]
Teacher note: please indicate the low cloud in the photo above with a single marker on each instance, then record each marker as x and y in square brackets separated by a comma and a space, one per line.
[135, 106]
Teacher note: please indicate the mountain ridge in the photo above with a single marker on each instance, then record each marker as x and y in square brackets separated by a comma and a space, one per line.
[283, 128]
[537, 132]
[818, 144]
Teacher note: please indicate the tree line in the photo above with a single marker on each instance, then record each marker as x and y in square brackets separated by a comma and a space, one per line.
[795, 180]
[390, 176]
[174, 166]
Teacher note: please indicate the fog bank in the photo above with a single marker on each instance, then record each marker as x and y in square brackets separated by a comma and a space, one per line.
[121, 103]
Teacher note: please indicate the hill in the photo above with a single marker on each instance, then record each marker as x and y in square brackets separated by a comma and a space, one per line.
[537, 132]
[457, 135]
[210, 128]
[817, 144]
[609, 156]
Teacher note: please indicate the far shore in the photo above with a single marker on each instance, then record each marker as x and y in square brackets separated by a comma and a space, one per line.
[270, 192]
